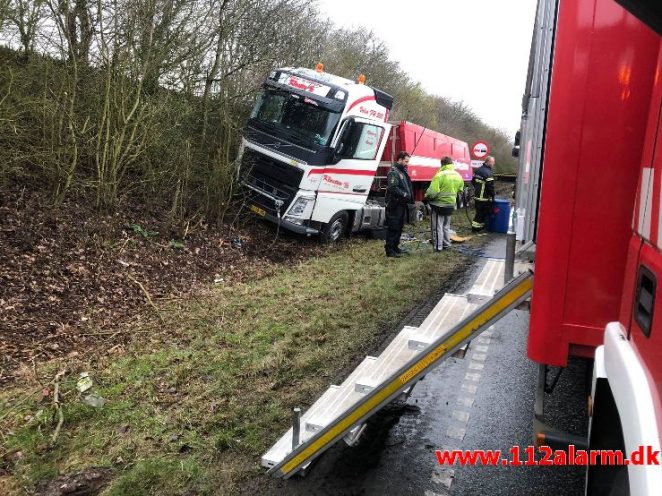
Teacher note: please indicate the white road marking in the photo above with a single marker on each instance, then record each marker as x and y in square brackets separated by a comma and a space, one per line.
[479, 357]
[469, 388]
[461, 416]
[472, 376]
[457, 433]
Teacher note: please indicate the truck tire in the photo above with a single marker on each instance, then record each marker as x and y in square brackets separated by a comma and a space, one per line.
[606, 434]
[335, 229]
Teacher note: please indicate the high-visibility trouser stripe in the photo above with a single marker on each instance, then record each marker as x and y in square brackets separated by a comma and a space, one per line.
[478, 225]
[435, 231]
[509, 297]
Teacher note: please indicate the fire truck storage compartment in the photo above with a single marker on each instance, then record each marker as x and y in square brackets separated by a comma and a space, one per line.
[596, 122]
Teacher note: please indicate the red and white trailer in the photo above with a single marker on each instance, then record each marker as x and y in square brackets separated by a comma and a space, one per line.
[427, 147]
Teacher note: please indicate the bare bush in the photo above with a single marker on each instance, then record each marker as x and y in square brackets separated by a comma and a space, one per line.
[123, 100]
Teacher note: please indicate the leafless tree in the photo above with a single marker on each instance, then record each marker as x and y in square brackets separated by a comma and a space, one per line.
[24, 16]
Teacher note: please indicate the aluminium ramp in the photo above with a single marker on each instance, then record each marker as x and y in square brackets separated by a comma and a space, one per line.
[370, 387]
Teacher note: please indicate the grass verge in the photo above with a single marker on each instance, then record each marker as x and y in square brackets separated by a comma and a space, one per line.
[198, 396]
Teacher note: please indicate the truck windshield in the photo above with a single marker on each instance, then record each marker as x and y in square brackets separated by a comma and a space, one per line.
[296, 116]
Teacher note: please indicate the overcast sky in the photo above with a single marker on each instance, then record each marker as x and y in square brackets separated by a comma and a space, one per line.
[471, 50]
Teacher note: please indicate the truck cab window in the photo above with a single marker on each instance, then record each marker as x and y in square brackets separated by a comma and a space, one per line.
[296, 117]
[361, 141]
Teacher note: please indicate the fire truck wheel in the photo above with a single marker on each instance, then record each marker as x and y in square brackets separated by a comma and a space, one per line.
[335, 229]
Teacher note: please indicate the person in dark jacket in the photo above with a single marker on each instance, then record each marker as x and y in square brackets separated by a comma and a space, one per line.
[399, 194]
[483, 182]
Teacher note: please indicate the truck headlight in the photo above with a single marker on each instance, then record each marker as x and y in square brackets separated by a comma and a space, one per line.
[300, 205]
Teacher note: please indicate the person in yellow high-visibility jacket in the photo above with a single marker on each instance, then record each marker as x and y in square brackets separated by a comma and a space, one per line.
[441, 195]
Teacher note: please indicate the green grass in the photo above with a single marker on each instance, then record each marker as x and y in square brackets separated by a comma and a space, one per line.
[195, 400]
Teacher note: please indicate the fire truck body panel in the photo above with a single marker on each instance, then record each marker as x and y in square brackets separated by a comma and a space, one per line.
[596, 221]
[640, 310]
[591, 151]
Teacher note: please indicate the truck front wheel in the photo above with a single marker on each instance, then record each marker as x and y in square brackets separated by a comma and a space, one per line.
[335, 229]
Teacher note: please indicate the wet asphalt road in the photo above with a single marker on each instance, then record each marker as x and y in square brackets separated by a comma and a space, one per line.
[484, 401]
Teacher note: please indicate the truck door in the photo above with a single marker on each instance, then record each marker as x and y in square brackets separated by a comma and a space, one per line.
[346, 182]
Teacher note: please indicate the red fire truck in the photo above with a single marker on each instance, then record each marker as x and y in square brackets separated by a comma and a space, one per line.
[588, 208]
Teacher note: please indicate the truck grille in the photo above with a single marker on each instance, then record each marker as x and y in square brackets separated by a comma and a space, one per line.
[274, 178]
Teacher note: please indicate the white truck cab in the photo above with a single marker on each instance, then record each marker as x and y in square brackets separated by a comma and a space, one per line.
[311, 149]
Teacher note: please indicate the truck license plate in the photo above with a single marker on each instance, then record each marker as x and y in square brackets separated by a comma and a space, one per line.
[258, 210]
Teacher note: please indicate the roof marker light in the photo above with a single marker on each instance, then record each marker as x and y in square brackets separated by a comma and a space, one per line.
[361, 79]
[319, 67]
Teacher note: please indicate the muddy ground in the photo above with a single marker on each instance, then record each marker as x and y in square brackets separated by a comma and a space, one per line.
[70, 277]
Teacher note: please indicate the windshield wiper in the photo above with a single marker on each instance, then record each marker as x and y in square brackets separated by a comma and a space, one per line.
[267, 124]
